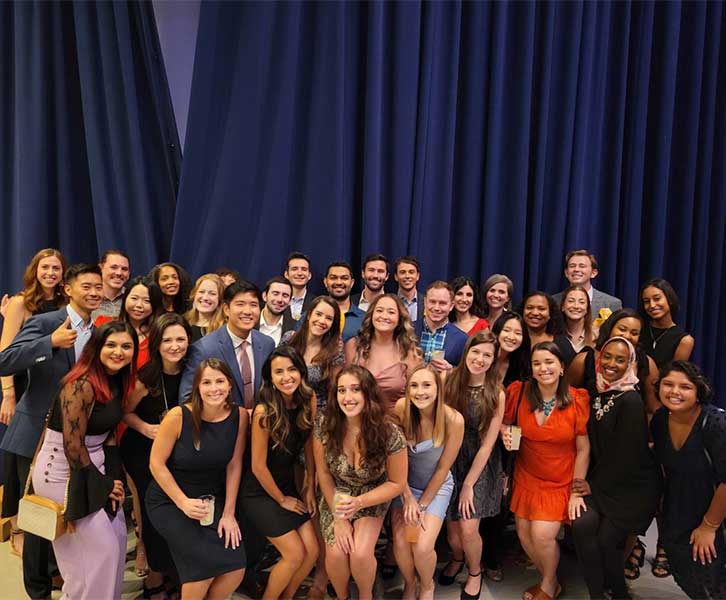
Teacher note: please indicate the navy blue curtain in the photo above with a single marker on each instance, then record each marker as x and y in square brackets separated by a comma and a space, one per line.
[89, 154]
[479, 137]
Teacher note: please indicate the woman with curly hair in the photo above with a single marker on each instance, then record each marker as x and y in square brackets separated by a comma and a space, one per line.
[42, 292]
[206, 314]
[361, 467]
[467, 313]
[318, 342]
[497, 293]
[386, 345]
[174, 283]
[544, 322]
[281, 426]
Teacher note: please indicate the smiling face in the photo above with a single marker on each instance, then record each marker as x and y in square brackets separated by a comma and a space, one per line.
[375, 275]
[174, 344]
[385, 315]
[536, 312]
[678, 393]
[350, 395]
[497, 296]
[206, 300]
[614, 360]
[321, 319]
[546, 368]
[463, 299]
[422, 389]
[49, 272]
[169, 281]
[115, 271]
[117, 352]
[480, 358]
[138, 304]
[242, 313]
[85, 291]
[511, 335]
[339, 282]
[438, 304]
[285, 376]
[298, 272]
[277, 298]
[628, 328]
[579, 271]
[575, 305]
[407, 276]
[214, 388]
[655, 303]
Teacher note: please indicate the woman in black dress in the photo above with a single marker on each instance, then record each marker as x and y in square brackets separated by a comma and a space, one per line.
[662, 339]
[206, 314]
[690, 443]
[281, 426]
[543, 319]
[156, 391]
[623, 484]
[196, 461]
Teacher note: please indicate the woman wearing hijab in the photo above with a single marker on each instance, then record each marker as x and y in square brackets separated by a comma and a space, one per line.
[623, 484]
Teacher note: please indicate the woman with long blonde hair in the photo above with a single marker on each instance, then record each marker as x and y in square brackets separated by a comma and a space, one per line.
[206, 314]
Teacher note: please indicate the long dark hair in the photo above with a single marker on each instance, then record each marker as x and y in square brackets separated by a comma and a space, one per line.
[606, 329]
[89, 363]
[180, 302]
[277, 417]
[534, 396]
[32, 292]
[196, 399]
[376, 427]
[156, 298]
[519, 364]
[457, 384]
[476, 303]
[151, 373]
[330, 342]
[554, 326]
[671, 297]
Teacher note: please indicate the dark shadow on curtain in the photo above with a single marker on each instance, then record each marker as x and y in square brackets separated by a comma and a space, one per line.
[481, 137]
[89, 154]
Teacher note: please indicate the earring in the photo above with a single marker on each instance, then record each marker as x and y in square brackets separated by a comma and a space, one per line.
[562, 373]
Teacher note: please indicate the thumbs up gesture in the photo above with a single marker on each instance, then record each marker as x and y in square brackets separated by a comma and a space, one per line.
[64, 336]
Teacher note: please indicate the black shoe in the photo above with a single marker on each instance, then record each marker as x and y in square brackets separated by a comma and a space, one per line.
[388, 571]
[449, 579]
[465, 595]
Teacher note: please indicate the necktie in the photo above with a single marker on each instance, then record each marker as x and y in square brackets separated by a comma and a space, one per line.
[246, 371]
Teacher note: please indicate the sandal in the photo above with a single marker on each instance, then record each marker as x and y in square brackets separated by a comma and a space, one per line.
[635, 560]
[14, 535]
[445, 579]
[661, 563]
[532, 590]
[542, 595]
[141, 567]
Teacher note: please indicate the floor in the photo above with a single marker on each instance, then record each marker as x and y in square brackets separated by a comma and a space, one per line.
[516, 579]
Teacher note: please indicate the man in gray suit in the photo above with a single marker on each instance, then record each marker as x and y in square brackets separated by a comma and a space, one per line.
[47, 345]
[581, 269]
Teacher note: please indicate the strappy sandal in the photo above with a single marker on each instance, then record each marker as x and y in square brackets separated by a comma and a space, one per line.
[15, 533]
[635, 560]
[661, 563]
[445, 579]
[532, 590]
[141, 568]
[542, 595]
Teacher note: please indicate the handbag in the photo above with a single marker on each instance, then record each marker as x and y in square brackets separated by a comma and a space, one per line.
[37, 514]
[511, 456]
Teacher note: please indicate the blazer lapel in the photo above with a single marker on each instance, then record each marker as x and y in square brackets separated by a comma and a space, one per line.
[228, 353]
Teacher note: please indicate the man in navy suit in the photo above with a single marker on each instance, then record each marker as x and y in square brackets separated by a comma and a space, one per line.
[47, 345]
[239, 344]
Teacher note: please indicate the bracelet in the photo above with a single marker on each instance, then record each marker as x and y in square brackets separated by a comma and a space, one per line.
[10, 386]
[423, 507]
[708, 523]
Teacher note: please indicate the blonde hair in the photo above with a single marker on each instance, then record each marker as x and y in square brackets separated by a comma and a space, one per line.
[411, 418]
[217, 318]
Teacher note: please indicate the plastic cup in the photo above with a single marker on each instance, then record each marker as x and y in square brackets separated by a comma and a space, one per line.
[340, 495]
[412, 532]
[208, 499]
[516, 432]
[438, 354]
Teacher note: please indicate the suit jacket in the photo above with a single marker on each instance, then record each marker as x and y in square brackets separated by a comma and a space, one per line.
[599, 300]
[307, 301]
[419, 305]
[218, 344]
[31, 349]
[288, 323]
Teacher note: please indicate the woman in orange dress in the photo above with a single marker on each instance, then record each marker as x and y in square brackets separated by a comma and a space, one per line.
[554, 449]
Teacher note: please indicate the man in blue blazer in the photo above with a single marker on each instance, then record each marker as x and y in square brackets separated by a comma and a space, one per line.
[47, 345]
[242, 305]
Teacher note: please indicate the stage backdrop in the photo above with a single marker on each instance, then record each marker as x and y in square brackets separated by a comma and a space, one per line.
[479, 137]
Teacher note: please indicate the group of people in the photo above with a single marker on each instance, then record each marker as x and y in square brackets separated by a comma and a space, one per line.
[240, 417]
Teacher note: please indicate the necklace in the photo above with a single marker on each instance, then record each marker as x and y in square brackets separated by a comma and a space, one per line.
[548, 406]
[601, 410]
[657, 339]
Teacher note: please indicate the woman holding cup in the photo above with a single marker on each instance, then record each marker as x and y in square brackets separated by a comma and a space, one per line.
[361, 468]
[196, 461]
[474, 391]
[434, 433]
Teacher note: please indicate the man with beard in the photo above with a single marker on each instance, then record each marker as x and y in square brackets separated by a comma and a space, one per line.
[115, 273]
[338, 282]
[407, 272]
[275, 319]
[375, 275]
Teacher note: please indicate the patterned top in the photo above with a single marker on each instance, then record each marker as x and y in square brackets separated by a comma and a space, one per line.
[358, 481]
[431, 341]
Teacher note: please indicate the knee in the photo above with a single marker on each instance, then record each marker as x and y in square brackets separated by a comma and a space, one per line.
[422, 550]
[542, 538]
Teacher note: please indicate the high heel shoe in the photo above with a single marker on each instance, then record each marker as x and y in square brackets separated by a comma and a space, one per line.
[466, 595]
[445, 579]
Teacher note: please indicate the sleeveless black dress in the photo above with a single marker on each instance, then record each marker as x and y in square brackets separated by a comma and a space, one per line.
[271, 520]
[661, 344]
[197, 551]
